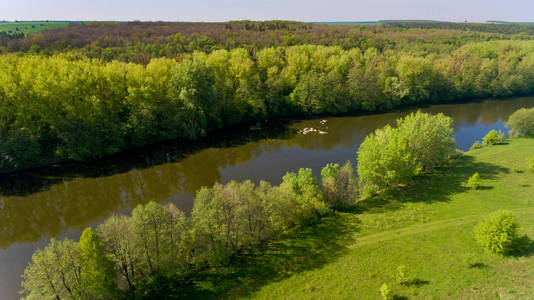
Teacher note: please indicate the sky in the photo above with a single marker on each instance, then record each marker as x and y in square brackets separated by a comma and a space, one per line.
[299, 10]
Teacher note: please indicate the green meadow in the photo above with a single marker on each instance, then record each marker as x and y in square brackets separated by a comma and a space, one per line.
[30, 27]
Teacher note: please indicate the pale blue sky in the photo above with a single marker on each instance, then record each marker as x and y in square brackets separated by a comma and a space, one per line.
[302, 10]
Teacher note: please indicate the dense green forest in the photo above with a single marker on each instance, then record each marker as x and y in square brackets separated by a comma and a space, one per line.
[68, 106]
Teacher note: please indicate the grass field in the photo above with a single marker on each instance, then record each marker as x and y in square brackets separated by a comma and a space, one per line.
[427, 227]
[30, 27]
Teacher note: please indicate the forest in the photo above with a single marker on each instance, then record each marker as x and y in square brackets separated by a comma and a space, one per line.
[68, 106]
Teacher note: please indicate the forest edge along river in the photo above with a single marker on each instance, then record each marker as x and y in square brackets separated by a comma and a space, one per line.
[61, 200]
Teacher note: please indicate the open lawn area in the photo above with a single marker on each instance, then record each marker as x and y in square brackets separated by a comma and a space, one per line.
[427, 227]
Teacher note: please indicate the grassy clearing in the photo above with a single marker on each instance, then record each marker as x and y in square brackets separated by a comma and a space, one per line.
[30, 27]
[427, 227]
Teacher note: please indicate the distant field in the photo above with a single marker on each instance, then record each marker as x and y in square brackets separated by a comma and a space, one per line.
[30, 27]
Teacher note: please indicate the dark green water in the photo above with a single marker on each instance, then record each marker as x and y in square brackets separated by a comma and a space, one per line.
[59, 201]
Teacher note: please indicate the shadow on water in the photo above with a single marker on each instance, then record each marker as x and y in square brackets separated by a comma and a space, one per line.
[313, 247]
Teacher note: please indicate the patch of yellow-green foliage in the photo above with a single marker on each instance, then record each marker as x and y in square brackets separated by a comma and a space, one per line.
[497, 232]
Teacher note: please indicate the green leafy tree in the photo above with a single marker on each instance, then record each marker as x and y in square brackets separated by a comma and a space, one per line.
[521, 122]
[19, 149]
[192, 85]
[97, 270]
[55, 272]
[207, 219]
[430, 137]
[384, 161]
[117, 234]
[305, 201]
[392, 156]
[340, 185]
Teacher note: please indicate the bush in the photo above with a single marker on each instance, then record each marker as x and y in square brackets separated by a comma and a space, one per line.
[531, 164]
[493, 137]
[497, 232]
[476, 145]
[474, 181]
[402, 275]
[521, 122]
[385, 291]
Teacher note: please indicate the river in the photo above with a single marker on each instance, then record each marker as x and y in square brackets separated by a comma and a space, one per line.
[61, 200]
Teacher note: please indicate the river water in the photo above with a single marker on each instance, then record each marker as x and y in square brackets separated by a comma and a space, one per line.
[61, 200]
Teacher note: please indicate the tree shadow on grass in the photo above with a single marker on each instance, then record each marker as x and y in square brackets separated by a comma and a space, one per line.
[417, 282]
[523, 247]
[304, 249]
[437, 185]
[477, 265]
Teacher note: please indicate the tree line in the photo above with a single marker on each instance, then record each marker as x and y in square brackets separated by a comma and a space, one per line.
[523, 29]
[141, 41]
[159, 244]
[72, 107]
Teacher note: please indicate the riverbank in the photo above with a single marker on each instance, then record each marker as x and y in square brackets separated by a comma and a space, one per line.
[428, 228]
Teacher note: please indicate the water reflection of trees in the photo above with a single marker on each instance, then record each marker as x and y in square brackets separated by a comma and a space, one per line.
[50, 200]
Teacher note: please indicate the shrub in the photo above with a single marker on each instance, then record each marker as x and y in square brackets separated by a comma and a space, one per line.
[474, 181]
[385, 291]
[531, 164]
[402, 275]
[497, 232]
[476, 145]
[493, 137]
[521, 122]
